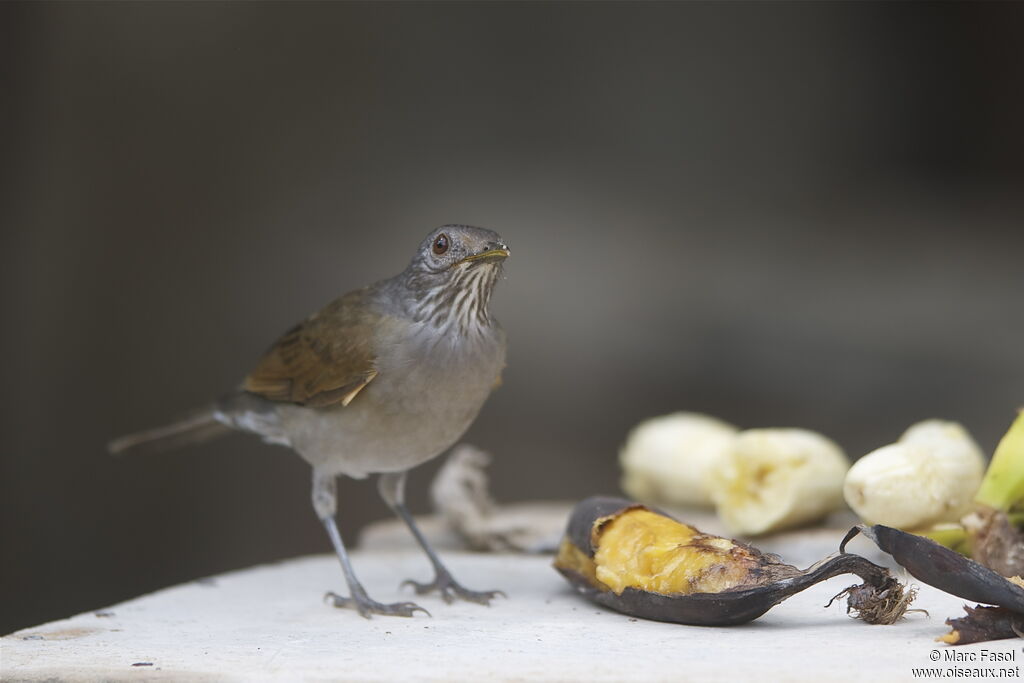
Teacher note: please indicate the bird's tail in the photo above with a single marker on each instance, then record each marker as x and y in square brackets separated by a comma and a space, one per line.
[197, 427]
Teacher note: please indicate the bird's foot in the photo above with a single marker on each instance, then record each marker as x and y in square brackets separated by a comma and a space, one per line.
[450, 589]
[367, 607]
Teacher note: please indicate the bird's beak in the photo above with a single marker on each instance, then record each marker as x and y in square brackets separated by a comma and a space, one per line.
[494, 251]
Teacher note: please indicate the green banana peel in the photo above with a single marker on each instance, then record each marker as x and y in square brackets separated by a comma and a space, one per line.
[1003, 485]
[992, 534]
[953, 536]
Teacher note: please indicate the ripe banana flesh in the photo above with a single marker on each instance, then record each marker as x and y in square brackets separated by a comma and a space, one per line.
[774, 479]
[643, 563]
[928, 477]
[667, 459]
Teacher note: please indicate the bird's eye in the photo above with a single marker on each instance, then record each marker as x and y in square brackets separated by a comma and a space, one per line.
[441, 244]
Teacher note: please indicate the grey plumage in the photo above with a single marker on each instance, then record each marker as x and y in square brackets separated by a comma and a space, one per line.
[379, 381]
[197, 427]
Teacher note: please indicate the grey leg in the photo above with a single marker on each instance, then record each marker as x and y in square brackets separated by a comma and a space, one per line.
[392, 490]
[325, 504]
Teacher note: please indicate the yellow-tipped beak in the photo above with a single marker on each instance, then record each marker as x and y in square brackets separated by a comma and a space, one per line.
[492, 254]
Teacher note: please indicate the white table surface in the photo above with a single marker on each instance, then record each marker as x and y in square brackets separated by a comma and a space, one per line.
[268, 623]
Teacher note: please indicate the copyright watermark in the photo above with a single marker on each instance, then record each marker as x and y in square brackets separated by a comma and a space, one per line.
[972, 664]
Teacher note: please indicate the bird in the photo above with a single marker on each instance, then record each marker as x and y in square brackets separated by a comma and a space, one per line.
[378, 381]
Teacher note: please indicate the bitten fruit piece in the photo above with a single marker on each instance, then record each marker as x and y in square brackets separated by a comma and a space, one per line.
[643, 548]
[774, 479]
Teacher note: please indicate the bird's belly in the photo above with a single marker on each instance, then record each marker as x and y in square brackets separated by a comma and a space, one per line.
[398, 421]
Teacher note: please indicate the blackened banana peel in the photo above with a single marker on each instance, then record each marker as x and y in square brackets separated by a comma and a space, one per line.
[957, 575]
[643, 563]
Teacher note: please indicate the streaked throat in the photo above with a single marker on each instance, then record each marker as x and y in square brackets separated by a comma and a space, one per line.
[460, 302]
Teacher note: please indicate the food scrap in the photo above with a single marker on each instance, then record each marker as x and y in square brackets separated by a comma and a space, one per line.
[643, 563]
[759, 480]
[957, 575]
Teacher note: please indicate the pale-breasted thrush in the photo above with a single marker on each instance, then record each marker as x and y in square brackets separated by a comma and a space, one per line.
[380, 380]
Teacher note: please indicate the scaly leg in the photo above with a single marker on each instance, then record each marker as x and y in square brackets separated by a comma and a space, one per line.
[392, 490]
[325, 504]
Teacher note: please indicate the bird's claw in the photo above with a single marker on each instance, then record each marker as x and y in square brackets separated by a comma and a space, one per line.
[450, 590]
[367, 607]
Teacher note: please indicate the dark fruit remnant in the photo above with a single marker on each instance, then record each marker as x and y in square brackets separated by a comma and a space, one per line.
[982, 624]
[643, 563]
[957, 575]
[998, 543]
[943, 568]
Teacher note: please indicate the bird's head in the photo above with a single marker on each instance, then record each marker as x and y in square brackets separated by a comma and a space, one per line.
[454, 272]
[452, 248]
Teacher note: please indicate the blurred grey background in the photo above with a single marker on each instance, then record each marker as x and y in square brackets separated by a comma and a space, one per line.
[779, 214]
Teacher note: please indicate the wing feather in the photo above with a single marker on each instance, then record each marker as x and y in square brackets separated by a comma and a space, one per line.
[323, 361]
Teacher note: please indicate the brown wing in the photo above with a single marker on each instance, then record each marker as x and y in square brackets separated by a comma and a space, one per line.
[325, 360]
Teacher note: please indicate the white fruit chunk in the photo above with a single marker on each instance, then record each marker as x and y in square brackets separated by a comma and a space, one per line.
[929, 476]
[774, 479]
[666, 459]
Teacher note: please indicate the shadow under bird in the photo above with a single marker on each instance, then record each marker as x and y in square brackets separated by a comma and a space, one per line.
[380, 380]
